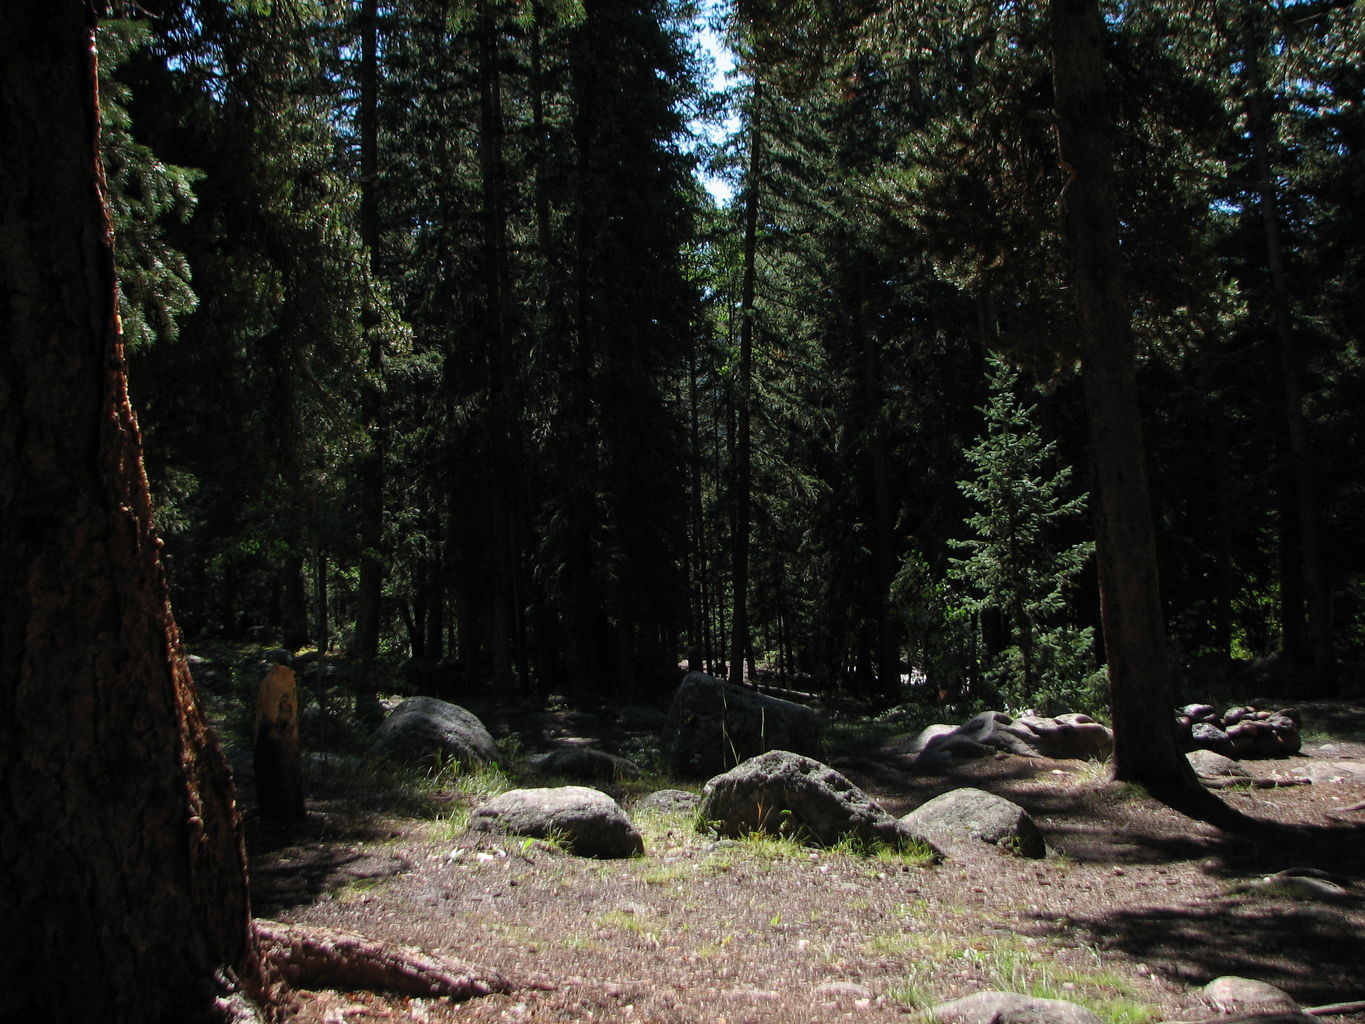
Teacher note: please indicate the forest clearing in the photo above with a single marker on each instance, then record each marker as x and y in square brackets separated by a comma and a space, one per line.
[1134, 908]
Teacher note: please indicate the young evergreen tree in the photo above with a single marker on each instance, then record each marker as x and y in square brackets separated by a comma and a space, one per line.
[1018, 563]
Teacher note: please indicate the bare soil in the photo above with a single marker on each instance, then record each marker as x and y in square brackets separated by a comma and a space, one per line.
[1135, 907]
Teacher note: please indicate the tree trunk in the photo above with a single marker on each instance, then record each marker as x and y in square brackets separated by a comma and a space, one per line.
[322, 602]
[503, 505]
[1323, 681]
[370, 587]
[743, 467]
[121, 857]
[883, 545]
[1141, 695]
[1223, 564]
[293, 604]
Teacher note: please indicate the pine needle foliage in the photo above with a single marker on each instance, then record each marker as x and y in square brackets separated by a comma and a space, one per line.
[1016, 564]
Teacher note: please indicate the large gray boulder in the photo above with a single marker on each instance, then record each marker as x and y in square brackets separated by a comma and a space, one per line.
[426, 729]
[587, 821]
[1011, 1008]
[713, 725]
[975, 814]
[784, 793]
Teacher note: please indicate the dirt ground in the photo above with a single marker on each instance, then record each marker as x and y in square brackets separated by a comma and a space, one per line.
[1135, 907]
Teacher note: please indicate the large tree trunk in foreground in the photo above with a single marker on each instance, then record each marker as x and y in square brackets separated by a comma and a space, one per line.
[122, 874]
[1141, 694]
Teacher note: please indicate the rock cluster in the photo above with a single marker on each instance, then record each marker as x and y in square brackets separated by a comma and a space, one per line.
[1072, 736]
[1240, 732]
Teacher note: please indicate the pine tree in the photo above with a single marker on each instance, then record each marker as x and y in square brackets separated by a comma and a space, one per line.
[145, 192]
[1018, 563]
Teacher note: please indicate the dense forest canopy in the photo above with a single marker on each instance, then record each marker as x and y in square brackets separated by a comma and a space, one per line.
[447, 360]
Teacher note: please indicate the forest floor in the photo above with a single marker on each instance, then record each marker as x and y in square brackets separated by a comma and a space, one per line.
[1135, 907]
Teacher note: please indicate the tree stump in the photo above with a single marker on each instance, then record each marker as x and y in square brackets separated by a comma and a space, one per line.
[278, 764]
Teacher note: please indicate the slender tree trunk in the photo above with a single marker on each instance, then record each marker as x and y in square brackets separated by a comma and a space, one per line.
[743, 464]
[503, 554]
[699, 648]
[1141, 695]
[1294, 644]
[121, 859]
[322, 602]
[1222, 486]
[370, 587]
[1323, 682]
[293, 603]
[883, 555]
[541, 136]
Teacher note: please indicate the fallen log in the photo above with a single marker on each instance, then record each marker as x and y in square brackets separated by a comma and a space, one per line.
[312, 958]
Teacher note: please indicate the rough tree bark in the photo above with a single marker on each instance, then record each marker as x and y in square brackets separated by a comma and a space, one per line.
[1141, 694]
[121, 858]
[122, 867]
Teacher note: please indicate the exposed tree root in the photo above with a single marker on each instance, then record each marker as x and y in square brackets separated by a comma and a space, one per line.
[312, 958]
[1235, 783]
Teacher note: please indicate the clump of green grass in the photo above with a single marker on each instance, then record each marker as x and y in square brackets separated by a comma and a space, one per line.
[358, 889]
[767, 846]
[911, 852]
[1092, 772]
[1007, 964]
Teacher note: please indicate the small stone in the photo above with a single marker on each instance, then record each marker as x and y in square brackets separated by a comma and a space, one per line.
[1210, 765]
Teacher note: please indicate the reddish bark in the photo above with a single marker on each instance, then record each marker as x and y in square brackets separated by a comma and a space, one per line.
[121, 856]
